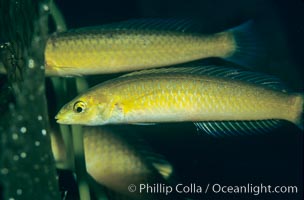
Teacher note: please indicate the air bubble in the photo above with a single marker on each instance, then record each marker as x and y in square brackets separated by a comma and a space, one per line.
[45, 7]
[15, 157]
[23, 155]
[23, 129]
[4, 171]
[31, 97]
[19, 192]
[36, 167]
[31, 63]
[43, 131]
[11, 106]
[20, 117]
[15, 136]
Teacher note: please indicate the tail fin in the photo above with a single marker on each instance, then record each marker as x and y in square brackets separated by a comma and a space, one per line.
[249, 51]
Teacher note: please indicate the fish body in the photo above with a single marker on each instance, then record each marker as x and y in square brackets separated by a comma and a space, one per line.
[115, 161]
[183, 94]
[140, 44]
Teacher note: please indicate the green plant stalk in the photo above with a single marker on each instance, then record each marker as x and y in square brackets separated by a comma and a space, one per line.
[80, 167]
[58, 17]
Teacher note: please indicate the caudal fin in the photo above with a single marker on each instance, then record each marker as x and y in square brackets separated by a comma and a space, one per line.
[299, 103]
[250, 51]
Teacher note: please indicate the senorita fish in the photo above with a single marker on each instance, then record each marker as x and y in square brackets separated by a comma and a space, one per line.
[141, 44]
[217, 98]
[116, 160]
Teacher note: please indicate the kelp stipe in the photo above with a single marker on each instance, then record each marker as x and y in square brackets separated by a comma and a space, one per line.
[27, 166]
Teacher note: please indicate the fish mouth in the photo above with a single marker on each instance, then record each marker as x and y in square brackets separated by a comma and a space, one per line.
[62, 118]
[59, 120]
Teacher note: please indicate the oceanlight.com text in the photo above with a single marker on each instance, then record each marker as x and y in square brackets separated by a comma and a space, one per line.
[216, 188]
[253, 189]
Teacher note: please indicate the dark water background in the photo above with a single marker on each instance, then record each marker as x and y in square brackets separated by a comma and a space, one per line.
[275, 158]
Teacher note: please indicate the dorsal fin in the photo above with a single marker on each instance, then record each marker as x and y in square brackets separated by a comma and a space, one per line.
[179, 25]
[182, 25]
[236, 128]
[219, 71]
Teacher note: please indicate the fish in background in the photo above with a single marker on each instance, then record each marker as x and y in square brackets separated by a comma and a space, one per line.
[218, 99]
[115, 160]
[145, 43]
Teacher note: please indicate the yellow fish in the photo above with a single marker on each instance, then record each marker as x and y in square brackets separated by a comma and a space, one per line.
[217, 98]
[114, 161]
[141, 44]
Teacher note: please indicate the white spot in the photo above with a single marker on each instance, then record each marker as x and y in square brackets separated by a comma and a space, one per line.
[42, 159]
[15, 157]
[45, 7]
[43, 131]
[23, 155]
[15, 136]
[39, 117]
[4, 171]
[19, 191]
[11, 106]
[37, 39]
[36, 167]
[11, 198]
[31, 63]
[37, 143]
[20, 117]
[42, 67]
[31, 97]
[23, 129]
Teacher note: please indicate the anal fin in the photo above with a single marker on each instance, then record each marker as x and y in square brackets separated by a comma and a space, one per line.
[236, 128]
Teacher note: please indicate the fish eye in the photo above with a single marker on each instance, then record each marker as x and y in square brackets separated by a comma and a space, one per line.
[79, 107]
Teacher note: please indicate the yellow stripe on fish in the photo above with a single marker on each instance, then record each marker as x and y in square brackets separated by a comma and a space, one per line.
[197, 94]
[142, 44]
